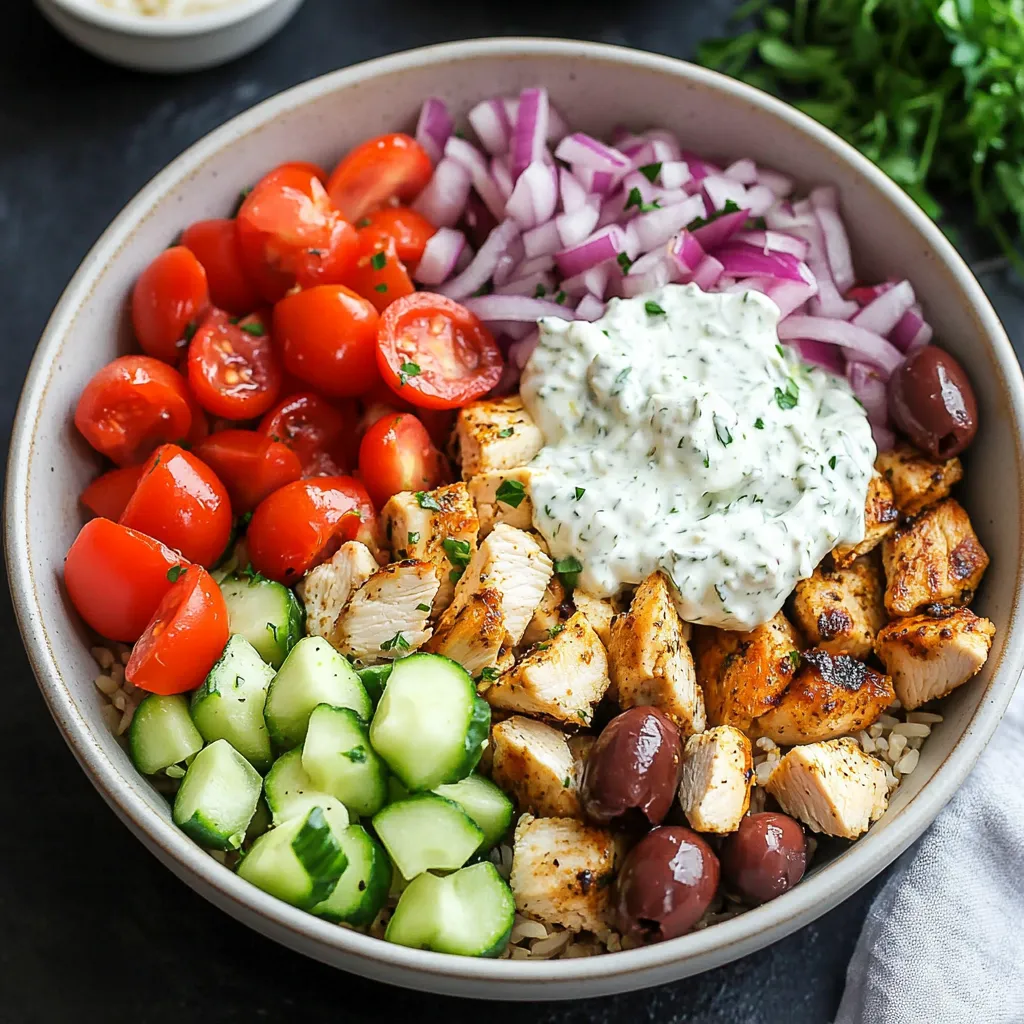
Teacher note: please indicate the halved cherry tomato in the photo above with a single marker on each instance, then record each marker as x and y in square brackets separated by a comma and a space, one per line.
[232, 367]
[116, 577]
[169, 298]
[310, 168]
[380, 400]
[180, 501]
[379, 275]
[249, 465]
[132, 405]
[302, 524]
[396, 455]
[410, 230]
[108, 494]
[381, 169]
[215, 244]
[200, 422]
[434, 353]
[291, 233]
[327, 336]
[185, 637]
[322, 435]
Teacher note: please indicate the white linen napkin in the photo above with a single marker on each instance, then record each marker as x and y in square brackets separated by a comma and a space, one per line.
[943, 942]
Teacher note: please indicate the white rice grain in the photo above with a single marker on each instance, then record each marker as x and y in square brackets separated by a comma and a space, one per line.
[926, 717]
[909, 729]
[545, 949]
[103, 657]
[907, 763]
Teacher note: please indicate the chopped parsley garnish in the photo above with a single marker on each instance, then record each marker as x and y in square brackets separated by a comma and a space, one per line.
[580, 491]
[363, 222]
[787, 399]
[244, 520]
[242, 196]
[488, 674]
[569, 569]
[511, 492]
[581, 715]
[423, 607]
[506, 431]
[251, 575]
[540, 291]
[699, 222]
[175, 573]
[781, 351]
[560, 298]
[190, 330]
[427, 501]
[620, 380]
[759, 423]
[624, 262]
[255, 328]
[794, 657]
[380, 288]
[832, 463]
[458, 551]
[637, 200]
[407, 370]
[413, 536]
[455, 575]
[707, 461]
[722, 431]
[555, 630]
[379, 260]
[357, 755]
[397, 642]
[650, 171]
[566, 782]
[653, 309]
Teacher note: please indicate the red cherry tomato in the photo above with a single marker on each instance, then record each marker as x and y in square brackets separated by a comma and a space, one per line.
[185, 637]
[215, 244]
[132, 405]
[436, 354]
[380, 400]
[410, 230]
[108, 494]
[250, 465]
[180, 501]
[377, 171]
[379, 275]
[396, 455]
[169, 299]
[302, 524]
[327, 337]
[116, 577]
[322, 435]
[291, 234]
[232, 367]
[200, 423]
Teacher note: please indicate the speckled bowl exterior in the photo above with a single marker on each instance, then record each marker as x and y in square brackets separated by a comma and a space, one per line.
[597, 87]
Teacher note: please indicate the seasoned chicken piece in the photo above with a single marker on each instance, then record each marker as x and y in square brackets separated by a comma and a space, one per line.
[513, 563]
[832, 787]
[386, 617]
[532, 762]
[496, 434]
[325, 590]
[476, 638]
[562, 678]
[742, 674]
[841, 610]
[717, 772]
[880, 515]
[928, 658]
[916, 480]
[433, 526]
[830, 697]
[562, 872]
[599, 613]
[501, 497]
[650, 661]
[549, 616]
[936, 561]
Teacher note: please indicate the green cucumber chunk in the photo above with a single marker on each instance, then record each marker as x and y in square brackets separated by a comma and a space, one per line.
[266, 613]
[364, 884]
[291, 794]
[374, 679]
[162, 733]
[484, 802]
[427, 833]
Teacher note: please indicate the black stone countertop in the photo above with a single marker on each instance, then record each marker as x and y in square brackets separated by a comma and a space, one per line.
[95, 929]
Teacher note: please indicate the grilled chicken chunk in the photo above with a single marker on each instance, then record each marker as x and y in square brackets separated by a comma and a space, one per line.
[880, 515]
[501, 497]
[916, 480]
[928, 658]
[561, 872]
[742, 674]
[829, 697]
[599, 613]
[386, 617]
[513, 563]
[549, 615]
[476, 638]
[417, 524]
[832, 787]
[717, 771]
[496, 434]
[562, 678]
[651, 662]
[533, 763]
[841, 610]
[934, 561]
[325, 590]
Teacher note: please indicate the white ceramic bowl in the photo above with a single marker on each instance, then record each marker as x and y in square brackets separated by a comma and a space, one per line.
[596, 87]
[168, 44]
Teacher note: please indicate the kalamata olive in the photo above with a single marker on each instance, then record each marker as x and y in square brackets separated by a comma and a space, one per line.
[765, 857]
[931, 400]
[633, 766]
[665, 884]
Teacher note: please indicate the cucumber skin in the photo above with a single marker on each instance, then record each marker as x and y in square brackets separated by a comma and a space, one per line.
[477, 731]
[295, 621]
[501, 825]
[419, 798]
[378, 883]
[496, 949]
[135, 742]
[374, 679]
[310, 841]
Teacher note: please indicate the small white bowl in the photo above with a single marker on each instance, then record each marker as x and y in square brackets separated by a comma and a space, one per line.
[151, 43]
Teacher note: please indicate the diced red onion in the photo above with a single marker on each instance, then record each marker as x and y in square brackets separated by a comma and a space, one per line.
[466, 257]
[444, 198]
[687, 253]
[825, 202]
[536, 265]
[604, 244]
[491, 124]
[535, 196]
[591, 282]
[508, 262]
[476, 163]
[502, 177]
[590, 308]
[542, 240]
[574, 227]
[674, 174]
[511, 105]
[477, 221]
[869, 388]
[519, 353]
[743, 260]
[707, 274]
[434, 127]
[638, 181]
[671, 196]
[885, 439]
[828, 302]
[882, 314]
[699, 169]
[912, 332]
[655, 228]
[721, 229]
[647, 273]
[781, 185]
[510, 330]
[760, 199]
[440, 255]
[773, 241]
[820, 353]
[557, 125]
[791, 296]
[572, 193]
[721, 190]
[585, 151]
[484, 263]
[748, 284]
[744, 171]
[596, 181]
[516, 308]
[613, 208]
[665, 142]
[529, 137]
[868, 346]
[528, 285]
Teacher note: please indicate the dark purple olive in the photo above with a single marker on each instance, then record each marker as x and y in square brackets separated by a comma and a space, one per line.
[633, 766]
[932, 402]
[765, 857]
[665, 885]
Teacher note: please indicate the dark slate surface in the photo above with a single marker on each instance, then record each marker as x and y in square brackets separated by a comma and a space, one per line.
[95, 930]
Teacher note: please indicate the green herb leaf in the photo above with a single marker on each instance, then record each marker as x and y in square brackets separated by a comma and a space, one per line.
[511, 492]
[560, 298]
[427, 501]
[569, 569]
[455, 575]
[413, 537]
[624, 262]
[540, 291]
[506, 431]
[380, 287]
[488, 674]
[423, 607]
[650, 171]
[653, 309]
[379, 260]
[407, 370]
[190, 330]
[832, 463]
[580, 491]
[759, 423]
[458, 551]
[357, 755]
[636, 199]
[699, 222]
[363, 222]
[255, 328]
[555, 630]
[794, 657]
[396, 643]
[788, 399]
[722, 431]
[175, 573]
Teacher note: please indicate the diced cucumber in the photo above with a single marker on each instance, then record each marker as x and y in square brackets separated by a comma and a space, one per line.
[299, 862]
[374, 679]
[396, 791]
[363, 886]
[229, 704]
[313, 673]
[427, 833]
[162, 733]
[266, 613]
[468, 913]
[484, 802]
[260, 823]
[290, 793]
[217, 798]
[338, 758]
[430, 725]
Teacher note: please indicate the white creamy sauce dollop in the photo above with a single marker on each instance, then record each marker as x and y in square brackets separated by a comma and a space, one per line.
[680, 435]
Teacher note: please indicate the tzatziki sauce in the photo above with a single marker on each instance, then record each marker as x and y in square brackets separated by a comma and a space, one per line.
[681, 436]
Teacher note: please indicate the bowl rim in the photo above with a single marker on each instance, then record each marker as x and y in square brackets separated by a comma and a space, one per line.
[155, 27]
[627, 969]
